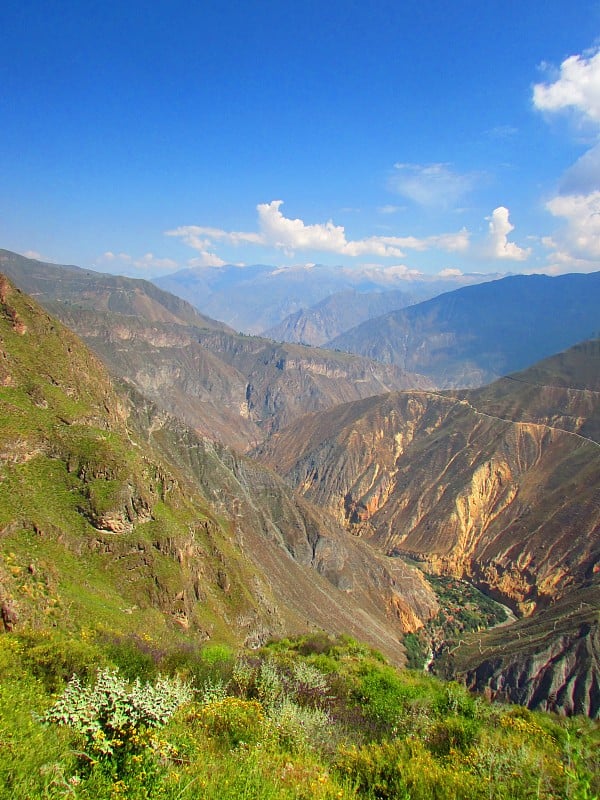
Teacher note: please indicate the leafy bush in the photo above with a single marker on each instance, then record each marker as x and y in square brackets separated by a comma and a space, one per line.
[233, 721]
[415, 651]
[383, 694]
[299, 728]
[55, 658]
[269, 684]
[112, 716]
[452, 733]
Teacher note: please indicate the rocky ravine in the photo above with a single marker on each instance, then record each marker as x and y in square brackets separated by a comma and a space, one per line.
[550, 660]
[500, 486]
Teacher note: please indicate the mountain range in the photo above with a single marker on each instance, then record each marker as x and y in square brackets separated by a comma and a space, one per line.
[124, 508]
[473, 335]
[253, 299]
[231, 387]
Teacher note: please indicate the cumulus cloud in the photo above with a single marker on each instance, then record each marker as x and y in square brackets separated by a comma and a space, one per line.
[434, 185]
[292, 235]
[577, 87]
[577, 244]
[497, 245]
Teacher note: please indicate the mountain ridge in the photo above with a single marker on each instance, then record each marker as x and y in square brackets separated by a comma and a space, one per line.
[229, 386]
[476, 334]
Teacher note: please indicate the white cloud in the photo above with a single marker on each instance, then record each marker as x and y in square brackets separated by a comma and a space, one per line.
[434, 185]
[33, 254]
[206, 259]
[449, 272]
[291, 235]
[147, 262]
[497, 245]
[451, 242]
[152, 262]
[576, 88]
[200, 237]
[388, 209]
[109, 257]
[577, 244]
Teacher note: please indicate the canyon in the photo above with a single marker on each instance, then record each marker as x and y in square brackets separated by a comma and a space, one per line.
[222, 486]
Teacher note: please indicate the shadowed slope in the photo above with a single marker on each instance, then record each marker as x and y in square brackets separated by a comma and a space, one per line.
[474, 335]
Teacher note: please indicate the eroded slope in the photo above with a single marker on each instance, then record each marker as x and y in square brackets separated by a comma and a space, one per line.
[113, 516]
[501, 484]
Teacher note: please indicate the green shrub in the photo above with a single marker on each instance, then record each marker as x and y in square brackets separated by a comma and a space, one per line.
[456, 699]
[415, 652]
[54, 658]
[299, 729]
[376, 770]
[216, 654]
[382, 694]
[269, 684]
[132, 656]
[114, 717]
[233, 721]
[452, 733]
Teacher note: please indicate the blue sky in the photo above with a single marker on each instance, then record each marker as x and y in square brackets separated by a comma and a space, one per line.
[419, 136]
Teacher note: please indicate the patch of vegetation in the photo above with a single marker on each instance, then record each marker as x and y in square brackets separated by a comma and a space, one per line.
[463, 609]
[315, 717]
